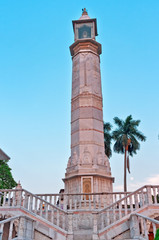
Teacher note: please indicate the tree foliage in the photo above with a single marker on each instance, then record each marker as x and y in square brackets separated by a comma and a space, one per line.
[6, 179]
[107, 139]
[157, 235]
[127, 139]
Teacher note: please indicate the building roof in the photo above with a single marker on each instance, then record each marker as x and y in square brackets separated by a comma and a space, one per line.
[3, 156]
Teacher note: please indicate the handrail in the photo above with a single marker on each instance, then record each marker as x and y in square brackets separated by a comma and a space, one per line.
[144, 230]
[63, 194]
[10, 219]
[147, 218]
[34, 195]
[36, 205]
[129, 195]
[52, 205]
[80, 194]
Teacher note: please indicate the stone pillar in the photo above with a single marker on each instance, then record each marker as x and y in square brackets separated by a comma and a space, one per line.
[70, 226]
[18, 194]
[149, 195]
[95, 226]
[87, 137]
[26, 229]
[134, 227]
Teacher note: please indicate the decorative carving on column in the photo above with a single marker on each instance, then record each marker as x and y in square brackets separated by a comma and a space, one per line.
[87, 159]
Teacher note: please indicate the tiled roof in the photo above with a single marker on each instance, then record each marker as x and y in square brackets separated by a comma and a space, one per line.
[3, 156]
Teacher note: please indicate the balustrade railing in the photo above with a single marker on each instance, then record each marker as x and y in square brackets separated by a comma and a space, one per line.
[11, 222]
[146, 227]
[83, 200]
[56, 208]
[36, 205]
[128, 204]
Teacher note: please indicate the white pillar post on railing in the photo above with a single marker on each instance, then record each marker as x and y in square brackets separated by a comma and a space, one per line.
[70, 226]
[26, 229]
[134, 227]
[149, 195]
[95, 226]
[10, 230]
[1, 230]
[154, 229]
[65, 202]
[145, 230]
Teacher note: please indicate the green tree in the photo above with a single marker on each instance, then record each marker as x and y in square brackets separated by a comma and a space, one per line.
[157, 235]
[6, 179]
[126, 138]
[107, 139]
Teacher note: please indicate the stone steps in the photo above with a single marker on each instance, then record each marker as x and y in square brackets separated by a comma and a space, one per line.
[82, 235]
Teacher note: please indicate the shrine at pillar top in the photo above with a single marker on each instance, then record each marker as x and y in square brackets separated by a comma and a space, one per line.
[85, 31]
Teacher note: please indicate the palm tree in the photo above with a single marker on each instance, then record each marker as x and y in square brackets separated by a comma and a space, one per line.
[126, 138]
[107, 139]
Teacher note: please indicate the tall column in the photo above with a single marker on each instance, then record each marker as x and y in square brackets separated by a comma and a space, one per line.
[88, 164]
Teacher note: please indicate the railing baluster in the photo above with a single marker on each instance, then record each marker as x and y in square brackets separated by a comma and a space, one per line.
[94, 201]
[105, 200]
[31, 203]
[136, 201]
[75, 204]
[1, 228]
[80, 201]
[158, 195]
[154, 229]
[149, 195]
[65, 202]
[102, 220]
[46, 211]
[10, 230]
[125, 206]
[142, 197]
[99, 206]
[58, 218]
[9, 198]
[53, 215]
[142, 226]
[145, 230]
[70, 204]
[131, 204]
[50, 199]
[25, 201]
[4, 199]
[63, 221]
[107, 218]
[85, 201]
[114, 215]
[55, 200]
[89, 201]
[36, 200]
[120, 210]
[154, 193]
[41, 208]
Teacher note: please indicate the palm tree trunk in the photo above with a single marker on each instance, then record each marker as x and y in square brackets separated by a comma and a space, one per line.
[125, 185]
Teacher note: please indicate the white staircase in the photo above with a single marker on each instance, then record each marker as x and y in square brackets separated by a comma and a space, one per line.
[79, 220]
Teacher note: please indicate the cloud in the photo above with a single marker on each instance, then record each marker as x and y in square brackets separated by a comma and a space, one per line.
[153, 180]
[132, 186]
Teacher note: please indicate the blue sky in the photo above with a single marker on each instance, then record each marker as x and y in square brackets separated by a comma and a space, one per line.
[35, 84]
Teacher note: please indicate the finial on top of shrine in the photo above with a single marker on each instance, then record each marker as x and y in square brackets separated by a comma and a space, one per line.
[84, 11]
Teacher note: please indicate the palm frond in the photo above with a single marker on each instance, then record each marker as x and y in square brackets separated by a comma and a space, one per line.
[107, 139]
[119, 122]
